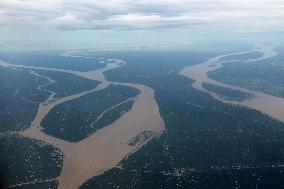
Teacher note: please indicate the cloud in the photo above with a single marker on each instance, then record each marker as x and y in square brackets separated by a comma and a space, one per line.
[69, 21]
[2, 18]
[262, 15]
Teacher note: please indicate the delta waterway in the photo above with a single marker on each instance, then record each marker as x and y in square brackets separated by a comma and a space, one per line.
[105, 148]
[265, 103]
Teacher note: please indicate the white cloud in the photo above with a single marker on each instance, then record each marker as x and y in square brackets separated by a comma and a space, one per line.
[3, 18]
[145, 14]
[68, 21]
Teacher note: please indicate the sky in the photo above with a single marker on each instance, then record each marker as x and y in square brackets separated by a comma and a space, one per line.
[132, 23]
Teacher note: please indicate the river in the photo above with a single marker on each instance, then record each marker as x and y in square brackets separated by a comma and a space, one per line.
[105, 148]
[265, 103]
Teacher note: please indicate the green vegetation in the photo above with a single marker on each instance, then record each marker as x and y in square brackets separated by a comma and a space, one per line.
[42, 185]
[51, 59]
[226, 93]
[19, 98]
[26, 160]
[67, 84]
[266, 76]
[207, 144]
[75, 120]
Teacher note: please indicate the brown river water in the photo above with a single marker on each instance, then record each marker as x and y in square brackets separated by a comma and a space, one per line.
[105, 148]
[265, 103]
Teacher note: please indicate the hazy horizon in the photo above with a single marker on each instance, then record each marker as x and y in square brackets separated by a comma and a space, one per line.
[126, 24]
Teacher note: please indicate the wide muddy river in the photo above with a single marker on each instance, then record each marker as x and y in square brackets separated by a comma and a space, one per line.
[105, 148]
[265, 103]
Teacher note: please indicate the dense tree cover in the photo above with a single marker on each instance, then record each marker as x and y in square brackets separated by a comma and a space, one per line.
[26, 160]
[226, 93]
[51, 59]
[75, 120]
[266, 75]
[19, 98]
[42, 185]
[67, 84]
[207, 144]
